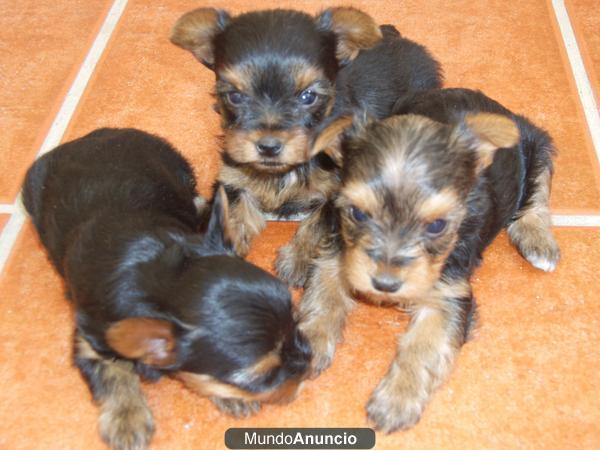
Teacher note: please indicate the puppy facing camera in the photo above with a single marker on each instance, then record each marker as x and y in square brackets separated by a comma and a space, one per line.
[282, 77]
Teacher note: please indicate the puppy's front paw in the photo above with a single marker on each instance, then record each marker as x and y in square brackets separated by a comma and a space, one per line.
[534, 240]
[236, 407]
[395, 405]
[126, 425]
[322, 345]
[291, 267]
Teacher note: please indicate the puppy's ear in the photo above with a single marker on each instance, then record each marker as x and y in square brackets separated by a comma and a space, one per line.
[217, 231]
[150, 341]
[330, 138]
[354, 30]
[486, 133]
[195, 31]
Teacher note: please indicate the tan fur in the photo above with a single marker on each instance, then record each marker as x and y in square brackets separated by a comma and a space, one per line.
[329, 140]
[194, 32]
[150, 341]
[355, 30]
[268, 192]
[238, 76]
[125, 420]
[294, 259]
[531, 233]
[425, 356]
[417, 278]
[305, 76]
[438, 205]
[241, 146]
[493, 131]
[323, 311]
[360, 195]
[208, 386]
[245, 222]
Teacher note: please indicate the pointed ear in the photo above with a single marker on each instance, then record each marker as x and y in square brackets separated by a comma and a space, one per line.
[487, 133]
[354, 30]
[195, 31]
[330, 138]
[150, 341]
[218, 224]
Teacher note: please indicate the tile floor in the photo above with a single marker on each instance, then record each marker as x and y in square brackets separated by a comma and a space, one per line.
[530, 377]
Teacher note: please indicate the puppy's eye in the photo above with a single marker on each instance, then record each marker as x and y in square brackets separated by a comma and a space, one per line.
[436, 227]
[308, 97]
[235, 97]
[358, 214]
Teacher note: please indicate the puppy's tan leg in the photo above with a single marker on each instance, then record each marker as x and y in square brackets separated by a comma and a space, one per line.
[531, 231]
[294, 259]
[425, 356]
[125, 420]
[323, 310]
[245, 222]
[236, 407]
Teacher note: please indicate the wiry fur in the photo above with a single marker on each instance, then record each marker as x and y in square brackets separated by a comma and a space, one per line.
[267, 60]
[422, 194]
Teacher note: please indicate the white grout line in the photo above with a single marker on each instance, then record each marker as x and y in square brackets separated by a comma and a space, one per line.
[12, 228]
[6, 209]
[584, 88]
[559, 220]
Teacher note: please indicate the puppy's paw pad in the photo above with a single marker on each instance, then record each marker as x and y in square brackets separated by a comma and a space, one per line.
[236, 407]
[127, 427]
[388, 412]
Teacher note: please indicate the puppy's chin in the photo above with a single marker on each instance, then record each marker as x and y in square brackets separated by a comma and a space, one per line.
[379, 298]
[272, 167]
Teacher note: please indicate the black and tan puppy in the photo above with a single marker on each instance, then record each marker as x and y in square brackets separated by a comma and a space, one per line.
[116, 212]
[422, 194]
[282, 77]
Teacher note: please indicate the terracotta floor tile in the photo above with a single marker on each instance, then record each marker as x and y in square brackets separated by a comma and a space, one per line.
[3, 219]
[529, 379]
[513, 54]
[585, 17]
[42, 45]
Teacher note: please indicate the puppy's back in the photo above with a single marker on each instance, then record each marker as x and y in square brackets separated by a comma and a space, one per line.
[111, 172]
[380, 75]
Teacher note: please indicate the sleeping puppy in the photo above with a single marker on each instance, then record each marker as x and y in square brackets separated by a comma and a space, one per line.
[116, 211]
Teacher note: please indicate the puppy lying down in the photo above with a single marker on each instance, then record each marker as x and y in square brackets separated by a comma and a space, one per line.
[116, 212]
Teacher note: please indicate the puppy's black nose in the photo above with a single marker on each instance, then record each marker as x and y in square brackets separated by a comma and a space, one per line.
[386, 284]
[269, 146]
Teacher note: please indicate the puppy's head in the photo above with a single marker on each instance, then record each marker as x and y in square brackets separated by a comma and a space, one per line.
[224, 325]
[405, 185]
[275, 71]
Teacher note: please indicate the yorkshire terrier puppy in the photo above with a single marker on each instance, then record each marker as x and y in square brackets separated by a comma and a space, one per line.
[116, 211]
[281, 78]
[422, 194]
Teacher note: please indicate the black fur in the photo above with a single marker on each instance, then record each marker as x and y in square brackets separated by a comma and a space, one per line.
[504, 188]
[115, 211]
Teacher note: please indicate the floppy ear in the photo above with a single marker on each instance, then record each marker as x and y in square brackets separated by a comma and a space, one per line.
[218, 224]
[487, 133]
[150, 341]
[330, 138]
[354, 30]
[195, 31]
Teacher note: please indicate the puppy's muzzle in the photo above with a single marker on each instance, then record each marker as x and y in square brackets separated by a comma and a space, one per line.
[269, 146]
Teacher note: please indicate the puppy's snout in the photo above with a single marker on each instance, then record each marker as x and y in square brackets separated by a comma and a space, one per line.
[269, 146]
[386, 284]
